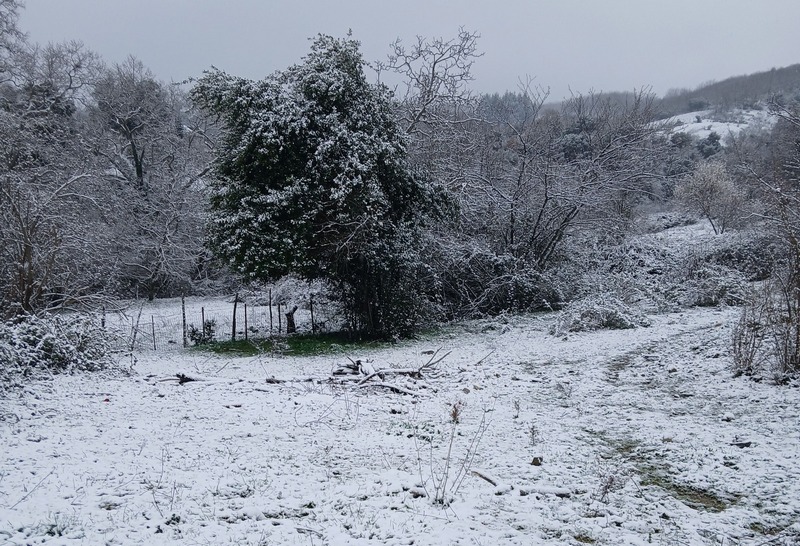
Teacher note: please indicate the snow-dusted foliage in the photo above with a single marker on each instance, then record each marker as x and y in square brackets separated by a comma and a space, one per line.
[709, 284]
[598, 312]
[312, 179]
[55, 343]
[473, 280]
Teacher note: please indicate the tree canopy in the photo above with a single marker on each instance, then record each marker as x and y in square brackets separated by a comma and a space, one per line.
[312, 179]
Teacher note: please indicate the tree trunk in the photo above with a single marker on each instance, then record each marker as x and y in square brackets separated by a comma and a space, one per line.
[291, 328]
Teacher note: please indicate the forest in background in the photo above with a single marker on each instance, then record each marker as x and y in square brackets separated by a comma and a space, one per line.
[109, 179]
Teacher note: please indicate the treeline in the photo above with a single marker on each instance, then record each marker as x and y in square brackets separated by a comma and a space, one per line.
[745, 91]
[424, 203]
[101, 178]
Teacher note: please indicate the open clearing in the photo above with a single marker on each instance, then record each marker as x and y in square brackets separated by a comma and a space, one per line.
[615, 437]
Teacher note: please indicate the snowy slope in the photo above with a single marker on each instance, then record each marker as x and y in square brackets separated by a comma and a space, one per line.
[702, 123]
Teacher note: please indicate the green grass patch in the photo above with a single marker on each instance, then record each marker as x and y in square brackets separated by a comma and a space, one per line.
[693, 497]
[763, 529]
[293, 345]
[651, 466]
[327, 343]
[240, 347]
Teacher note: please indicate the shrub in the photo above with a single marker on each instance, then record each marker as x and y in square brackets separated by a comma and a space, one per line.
[471, 280]
[754, 257]
[602, 312]
[634, 271]
[712, 192]
[766, 339]
[55, 343]
[204, 336]
[708, 285]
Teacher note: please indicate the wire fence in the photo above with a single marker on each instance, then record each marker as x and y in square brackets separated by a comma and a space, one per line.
[172, 324]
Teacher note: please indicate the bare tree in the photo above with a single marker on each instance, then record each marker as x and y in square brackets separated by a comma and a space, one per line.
[771, 323]
[154, 152]
[10, 35]
[48, 213]
[436, 73]
[711, 191]
[537, 175]
[550, 171]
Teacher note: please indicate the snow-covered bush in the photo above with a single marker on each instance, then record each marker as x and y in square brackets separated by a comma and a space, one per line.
[709, 285]
[755, 258]
[766, 339]
[55, 343]
[203, 335]
[599, 312]
[635, 271]
[712, 192]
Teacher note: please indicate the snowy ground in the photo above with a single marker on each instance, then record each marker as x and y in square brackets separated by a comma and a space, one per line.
[639, 437]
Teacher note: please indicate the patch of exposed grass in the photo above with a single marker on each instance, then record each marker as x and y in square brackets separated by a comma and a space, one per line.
[768, 530]
[693, 497]
[240, 347]
[328, 343]
[653, 474]
[625, 448]
[293, 345]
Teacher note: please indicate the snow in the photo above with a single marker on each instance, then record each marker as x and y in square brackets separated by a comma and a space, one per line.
[735, 121]
[639, 437]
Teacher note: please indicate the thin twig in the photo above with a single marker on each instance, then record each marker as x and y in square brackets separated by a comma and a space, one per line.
[29, 493]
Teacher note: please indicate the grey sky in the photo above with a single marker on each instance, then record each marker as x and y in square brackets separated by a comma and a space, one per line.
[610, 45]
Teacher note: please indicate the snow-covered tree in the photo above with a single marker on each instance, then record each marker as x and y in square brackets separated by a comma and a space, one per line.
[712, 192]
[151, 156]
[49, 217]
[312, 179]
[10, 35]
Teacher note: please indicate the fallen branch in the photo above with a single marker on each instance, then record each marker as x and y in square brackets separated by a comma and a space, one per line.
[485, 477]
[395, 388]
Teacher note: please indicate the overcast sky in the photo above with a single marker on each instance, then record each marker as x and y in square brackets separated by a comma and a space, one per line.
[609, 45]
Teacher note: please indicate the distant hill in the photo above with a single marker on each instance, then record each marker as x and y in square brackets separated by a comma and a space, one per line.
[718, 100]
[736, 92]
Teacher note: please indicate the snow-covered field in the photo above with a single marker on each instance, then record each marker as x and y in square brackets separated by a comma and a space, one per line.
[614, 437]
[702, 123]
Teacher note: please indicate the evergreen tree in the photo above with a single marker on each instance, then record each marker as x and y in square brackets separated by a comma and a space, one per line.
[312, 179]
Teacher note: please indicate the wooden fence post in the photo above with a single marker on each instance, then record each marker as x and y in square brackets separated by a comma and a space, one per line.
[270, 312]
[135, 326]
[183, 319]
[311, 306]
[279, 319]
[153, 329]
[245, 321]
[233, 327]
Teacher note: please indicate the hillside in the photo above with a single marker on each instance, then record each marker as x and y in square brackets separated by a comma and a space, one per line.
[736, 92]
